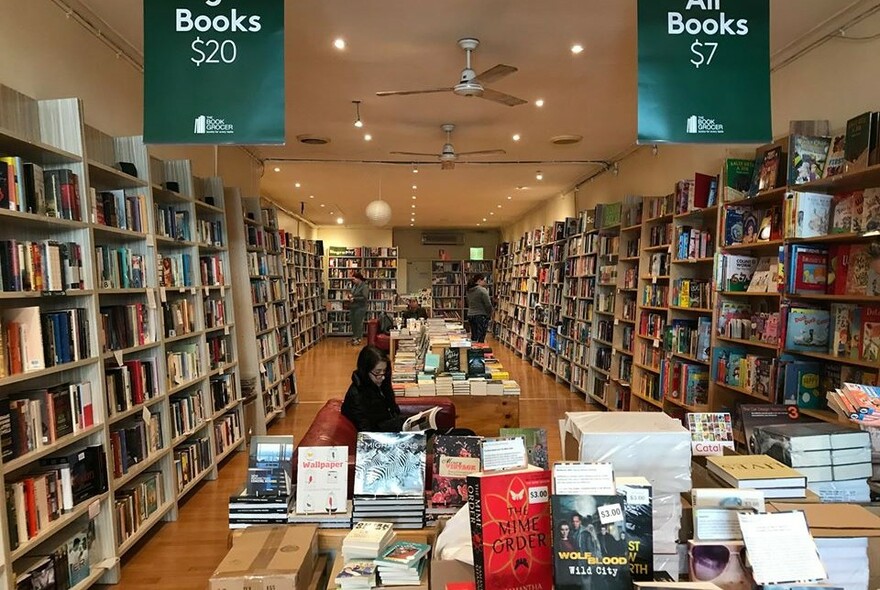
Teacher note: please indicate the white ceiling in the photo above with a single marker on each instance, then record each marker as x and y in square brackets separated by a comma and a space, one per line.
[407, 44]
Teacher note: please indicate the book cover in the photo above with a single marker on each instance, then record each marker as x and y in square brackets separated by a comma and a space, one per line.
[812, 215]
[78, 558]
[810, 267]
[270, 466]
[390, 464]
[589, 542]
[511, 529]
[842, 217]
[754, 472]
[870, 213]
[838, 261]
[738, 178]
[321, 479]
[863, 269]
[835, 164]
[807, 329]
[807, 158]
[638, 496]
[860, 141]
[738, 271]
[841, 329]
[751, 224]
[402, 554]
[455, 457]
[536, 444]
[768, 173]
[870, 341]
[733, 225]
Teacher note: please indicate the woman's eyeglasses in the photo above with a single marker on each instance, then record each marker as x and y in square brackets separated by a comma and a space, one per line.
[709, 561]
[379, 374]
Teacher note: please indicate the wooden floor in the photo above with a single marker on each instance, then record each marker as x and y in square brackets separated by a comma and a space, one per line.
[183, 554]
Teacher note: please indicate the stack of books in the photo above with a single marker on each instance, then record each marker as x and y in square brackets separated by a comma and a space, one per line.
[249, 510]
[365, 542]
[495, 387]
[835, 459]
[511, 387]
[357, 574]
[758, 472]
[402, 563]
[389, 480]
[478, 386]
[460, 384]
[337, 520]
[443, 384]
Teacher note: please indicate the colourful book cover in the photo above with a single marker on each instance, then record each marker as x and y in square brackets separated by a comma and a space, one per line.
[841, 329]
[835, 164]
[455, 457]
[511, 529]
[870, 333]
[870, 217]
[807, 159]
[638, 500]
[812, 215]
[738, 271]
[768, 173]
[589, 542]
[858, 266]
[860, 141]
[807, 329]
[733, 225]
[738, 177]
[838, 260]
[810, 270]
[321, 479]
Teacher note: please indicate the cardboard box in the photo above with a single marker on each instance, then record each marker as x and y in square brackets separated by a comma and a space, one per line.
[276, 557]
[447, 571]
[834, 520]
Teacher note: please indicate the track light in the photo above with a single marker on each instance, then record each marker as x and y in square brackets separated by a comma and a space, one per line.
[357, 122]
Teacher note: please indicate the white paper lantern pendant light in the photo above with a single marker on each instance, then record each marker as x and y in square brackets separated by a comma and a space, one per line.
[378, 211]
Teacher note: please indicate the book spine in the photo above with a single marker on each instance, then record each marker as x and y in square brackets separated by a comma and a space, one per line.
[474, 485]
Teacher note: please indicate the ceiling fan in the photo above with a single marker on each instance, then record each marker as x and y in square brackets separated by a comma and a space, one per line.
[470, 83]
[447, 155]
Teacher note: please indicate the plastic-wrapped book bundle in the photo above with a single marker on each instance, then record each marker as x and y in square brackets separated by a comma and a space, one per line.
[651, 445]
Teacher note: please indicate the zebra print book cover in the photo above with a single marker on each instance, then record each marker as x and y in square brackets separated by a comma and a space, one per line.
[390, 464]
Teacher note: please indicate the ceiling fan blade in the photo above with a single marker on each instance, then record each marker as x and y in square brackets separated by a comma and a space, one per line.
[413, 154]
[502, 98]
[483, 153]
[494, 73]
[408, 92]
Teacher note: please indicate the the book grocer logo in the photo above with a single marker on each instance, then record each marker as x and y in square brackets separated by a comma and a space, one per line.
[208, 125]
[699, 124]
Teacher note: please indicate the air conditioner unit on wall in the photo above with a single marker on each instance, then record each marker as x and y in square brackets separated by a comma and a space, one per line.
[442, 238]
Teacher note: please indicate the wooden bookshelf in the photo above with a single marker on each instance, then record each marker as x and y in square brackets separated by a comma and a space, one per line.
[341, 262]
[547, 310]
[503, 296]
[602, 388]
[447, 289]
[115, 228]
[380, 272]
[579, 291]
[305, 285]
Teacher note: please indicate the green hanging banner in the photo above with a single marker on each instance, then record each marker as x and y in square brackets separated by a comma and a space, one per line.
[214, 71]
[704, 71]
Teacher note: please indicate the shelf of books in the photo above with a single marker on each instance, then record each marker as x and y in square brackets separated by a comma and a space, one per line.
[545, 313]
[342, 261]
[447, 289]
[797, 275]
[684, 372]
[305, 278]
[380, 272]
[608, 222]
[624, 324]
[102, 262]
[575, 327]
[514, 311]
[503, 294]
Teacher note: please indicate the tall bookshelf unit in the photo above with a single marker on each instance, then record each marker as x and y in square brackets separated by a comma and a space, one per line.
[379, 267]
[601, 344]
[626, 303]
[447, 290]
[94, 248]
[503, 293]
[305, 286]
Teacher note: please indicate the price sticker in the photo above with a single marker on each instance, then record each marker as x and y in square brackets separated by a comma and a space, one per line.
[539, 495]
[117, 354]
[654, 280]
[226, 330]
[145, 414]
[638, 496]
[656, 344]
[610, 513]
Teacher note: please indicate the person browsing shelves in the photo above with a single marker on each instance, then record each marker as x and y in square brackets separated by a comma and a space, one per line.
[479, 307]
[358, 308]
[369, 402]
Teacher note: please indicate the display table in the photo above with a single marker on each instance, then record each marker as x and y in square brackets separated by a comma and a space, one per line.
[486, 414]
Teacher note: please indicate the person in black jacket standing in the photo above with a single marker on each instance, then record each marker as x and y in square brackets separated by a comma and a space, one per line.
[369, 402]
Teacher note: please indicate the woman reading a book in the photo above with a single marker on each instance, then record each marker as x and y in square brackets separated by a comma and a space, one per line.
[369, 402]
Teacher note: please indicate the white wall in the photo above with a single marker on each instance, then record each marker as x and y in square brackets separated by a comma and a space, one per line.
[553, 209]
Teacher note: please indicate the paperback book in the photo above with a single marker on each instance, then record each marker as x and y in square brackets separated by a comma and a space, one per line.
[390, 464]
[455, 457]
[270, 466]
[321, 479]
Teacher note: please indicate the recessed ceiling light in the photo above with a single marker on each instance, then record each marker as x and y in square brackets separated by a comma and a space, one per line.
[509, 197]
[411, 224]
[413, 205]
[539, 103]
[484, 219]
[539, 175]
[277, 169]
[499, 206]
[312, 197]
[414, 197]
[331, 213]
[296, 185]
[415, 169]
[358, 123]
[339, 43]
[340, 220]
[415, 187]
[368, 137]
[516, 137]
[322, 204]
[478, 225]
[491, 213]
[577, 48]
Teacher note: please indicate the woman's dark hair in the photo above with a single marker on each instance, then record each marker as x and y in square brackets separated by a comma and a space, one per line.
[356, 274]
[475, 279]
[369, 357]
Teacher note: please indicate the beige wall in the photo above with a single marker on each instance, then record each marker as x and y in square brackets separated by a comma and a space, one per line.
[409, 244]
[553, 209]
[835, 81]
[44, 54]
